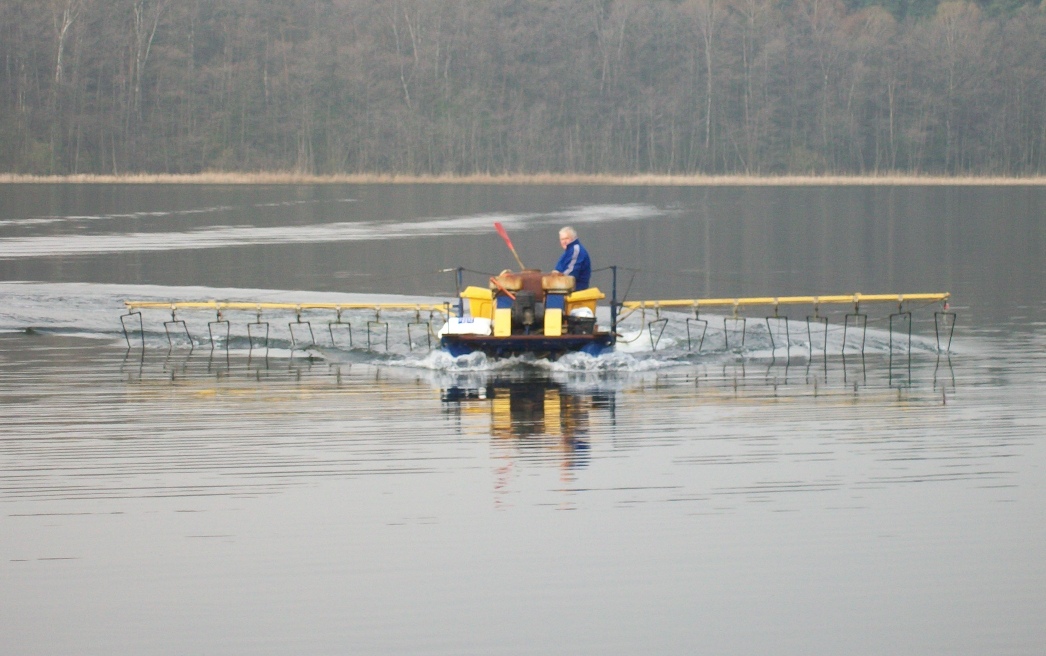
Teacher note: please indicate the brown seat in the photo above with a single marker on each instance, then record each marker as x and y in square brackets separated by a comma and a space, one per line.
[557, 282]
[508, 281]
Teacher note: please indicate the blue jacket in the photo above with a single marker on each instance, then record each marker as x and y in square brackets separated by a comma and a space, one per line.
[575, 262]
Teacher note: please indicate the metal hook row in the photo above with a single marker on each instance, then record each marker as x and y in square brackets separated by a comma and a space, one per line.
[900, 323]
[259, 339]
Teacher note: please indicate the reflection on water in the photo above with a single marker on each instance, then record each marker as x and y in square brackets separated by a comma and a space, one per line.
[774, 498]
[220, 423]
[530, 418]
[355, 483]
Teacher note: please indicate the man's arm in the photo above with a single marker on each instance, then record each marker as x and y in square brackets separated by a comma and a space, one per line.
[568, 260]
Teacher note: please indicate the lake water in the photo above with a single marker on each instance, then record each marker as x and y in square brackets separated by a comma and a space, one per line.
[788, 495]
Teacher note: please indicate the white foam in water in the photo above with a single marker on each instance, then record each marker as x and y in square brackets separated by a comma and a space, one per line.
[219, 236]
[215, 209]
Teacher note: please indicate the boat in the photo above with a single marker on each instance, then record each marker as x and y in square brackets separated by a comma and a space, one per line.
[542, 315]
[527, 313]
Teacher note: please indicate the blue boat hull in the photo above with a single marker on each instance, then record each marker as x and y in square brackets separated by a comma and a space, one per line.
[538, 346]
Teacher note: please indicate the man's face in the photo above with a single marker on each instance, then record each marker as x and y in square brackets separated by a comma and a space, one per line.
[563, 241]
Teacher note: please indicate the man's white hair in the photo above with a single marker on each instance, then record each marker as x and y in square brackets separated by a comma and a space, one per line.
[567, 231]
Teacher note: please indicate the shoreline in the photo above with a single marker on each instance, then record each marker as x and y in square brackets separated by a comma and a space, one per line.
[651, 180]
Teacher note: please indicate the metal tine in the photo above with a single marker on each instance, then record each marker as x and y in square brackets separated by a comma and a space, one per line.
[418, 322]
[726, 331]
[250, 335]
[704, 329]
[770, 330]
[948, 318]
[299, 322]
[294, 338]
[823, 321]
[330, 329]
[860, 319]
[257, 322]
[339, 322]
[173, 322]
[663, 322]
[141, 328]
[428, 333]
[371, 324]
[210, 329]
[901, 316]
[377, 322]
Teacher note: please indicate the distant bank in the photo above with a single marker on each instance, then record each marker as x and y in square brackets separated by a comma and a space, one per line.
[279, 178]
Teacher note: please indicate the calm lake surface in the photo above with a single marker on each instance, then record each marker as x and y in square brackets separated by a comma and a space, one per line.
[788, 494]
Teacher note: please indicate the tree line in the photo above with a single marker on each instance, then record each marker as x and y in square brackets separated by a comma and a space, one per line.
[522, 86]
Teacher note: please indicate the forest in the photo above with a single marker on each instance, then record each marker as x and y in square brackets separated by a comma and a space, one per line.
[458, 87]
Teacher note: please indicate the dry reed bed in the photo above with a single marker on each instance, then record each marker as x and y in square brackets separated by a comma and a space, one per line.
[291, 178]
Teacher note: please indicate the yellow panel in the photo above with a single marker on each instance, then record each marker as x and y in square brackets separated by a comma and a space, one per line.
[553, 322]
[590, 294]
[481, 301]
[477, 292]
[502, 322]
[585, 298]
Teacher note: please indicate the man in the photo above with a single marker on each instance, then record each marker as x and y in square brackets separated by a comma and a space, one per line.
[574, 261]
